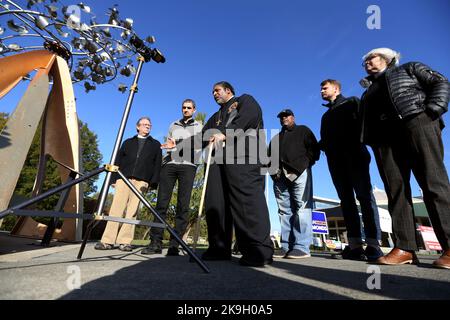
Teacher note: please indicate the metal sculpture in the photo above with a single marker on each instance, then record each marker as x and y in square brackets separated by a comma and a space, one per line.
[92, 55]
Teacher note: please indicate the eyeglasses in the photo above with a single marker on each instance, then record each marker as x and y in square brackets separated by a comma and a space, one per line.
[369, 60]
[145, 124]
[189, 108]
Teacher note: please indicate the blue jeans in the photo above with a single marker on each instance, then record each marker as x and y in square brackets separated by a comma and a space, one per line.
[295, 200]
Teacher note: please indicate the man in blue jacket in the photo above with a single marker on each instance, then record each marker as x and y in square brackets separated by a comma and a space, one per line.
[139, 159]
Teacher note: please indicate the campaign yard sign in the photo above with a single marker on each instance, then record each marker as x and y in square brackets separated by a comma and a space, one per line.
[319, 222]
[429, 238]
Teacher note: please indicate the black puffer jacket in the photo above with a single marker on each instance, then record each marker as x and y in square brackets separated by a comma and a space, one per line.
[414, 87]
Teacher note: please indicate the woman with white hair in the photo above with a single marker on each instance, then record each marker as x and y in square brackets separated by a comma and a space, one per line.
[401, 113]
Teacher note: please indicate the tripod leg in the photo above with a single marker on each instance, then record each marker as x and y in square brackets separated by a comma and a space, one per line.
[104, 192]
[45, 242]
[87, 235]
[51, 192]
[169, 228]
[59, 207]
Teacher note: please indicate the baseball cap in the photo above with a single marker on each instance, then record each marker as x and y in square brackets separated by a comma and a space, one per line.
[285, 112]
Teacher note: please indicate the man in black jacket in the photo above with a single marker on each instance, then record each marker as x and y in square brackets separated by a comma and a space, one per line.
[298, 151]
[348, 161]
[402, 109]
[235, 193]
[139, 159]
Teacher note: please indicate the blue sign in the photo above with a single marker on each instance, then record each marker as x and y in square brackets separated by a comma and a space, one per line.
[319, 222]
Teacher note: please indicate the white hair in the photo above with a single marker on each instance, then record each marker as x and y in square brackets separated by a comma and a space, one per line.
[391, 56]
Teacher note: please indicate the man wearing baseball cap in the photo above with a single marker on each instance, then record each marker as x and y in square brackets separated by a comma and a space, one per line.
[298, 150]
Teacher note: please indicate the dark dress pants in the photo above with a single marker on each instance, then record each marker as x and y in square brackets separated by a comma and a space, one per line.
[170, 174]
[415, 145]
[349, 171]
[235, 197]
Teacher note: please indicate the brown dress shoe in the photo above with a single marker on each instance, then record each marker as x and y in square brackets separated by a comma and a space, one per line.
[398, 256]
[443, 261]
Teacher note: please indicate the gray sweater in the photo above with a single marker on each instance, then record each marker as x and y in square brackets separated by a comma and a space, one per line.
[182, 153]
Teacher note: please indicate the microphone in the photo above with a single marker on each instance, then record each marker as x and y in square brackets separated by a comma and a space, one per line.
[146, 52]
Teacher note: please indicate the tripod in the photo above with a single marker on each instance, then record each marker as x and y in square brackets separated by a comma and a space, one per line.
[109, 168]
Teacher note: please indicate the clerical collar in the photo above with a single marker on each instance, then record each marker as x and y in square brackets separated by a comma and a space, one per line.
[141, 137]
[228, 103]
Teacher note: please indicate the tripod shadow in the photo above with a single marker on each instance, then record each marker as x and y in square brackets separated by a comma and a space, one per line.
[114, 274]
[175, 279]
[10, 244]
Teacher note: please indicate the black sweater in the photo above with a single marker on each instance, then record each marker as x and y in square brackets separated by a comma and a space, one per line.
[298, 148]
[145, 166]
[340, 128]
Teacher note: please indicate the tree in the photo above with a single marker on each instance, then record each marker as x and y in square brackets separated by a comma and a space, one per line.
[200, 117]
[142, 232]
[90, 157]
[27, 177]
[3, 119]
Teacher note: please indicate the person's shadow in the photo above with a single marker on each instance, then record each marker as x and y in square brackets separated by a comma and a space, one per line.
[174, 278]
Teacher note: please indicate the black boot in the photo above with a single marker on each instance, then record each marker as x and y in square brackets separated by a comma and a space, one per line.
[153, 248]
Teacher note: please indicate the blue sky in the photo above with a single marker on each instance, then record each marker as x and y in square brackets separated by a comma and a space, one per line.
[277, 51]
